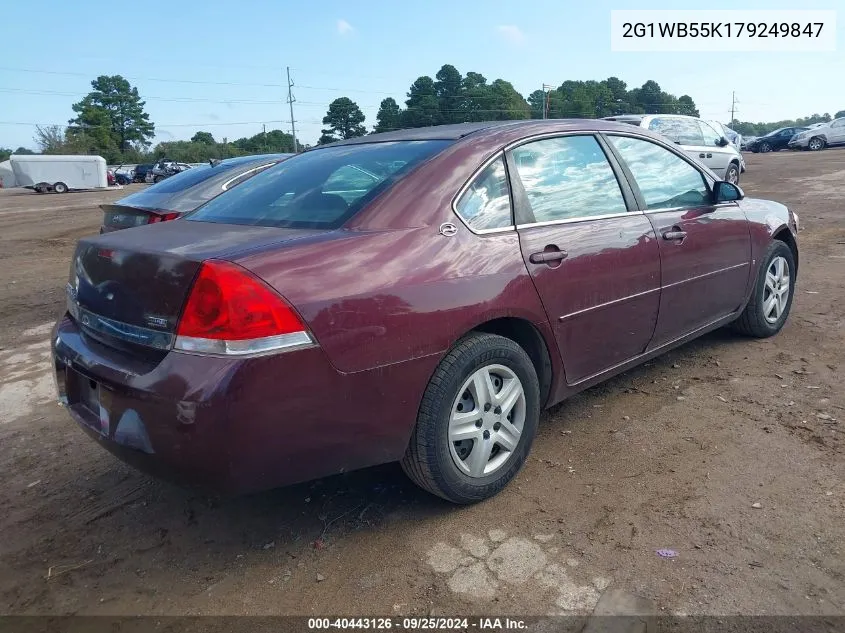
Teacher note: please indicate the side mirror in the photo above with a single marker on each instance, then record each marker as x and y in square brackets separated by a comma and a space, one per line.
[723, 142]
[724, 191]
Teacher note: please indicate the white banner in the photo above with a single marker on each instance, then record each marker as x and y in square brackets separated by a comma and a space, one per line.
[709, 30]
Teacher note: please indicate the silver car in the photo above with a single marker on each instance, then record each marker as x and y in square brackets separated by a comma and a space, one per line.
[821, 136]
[696, 137]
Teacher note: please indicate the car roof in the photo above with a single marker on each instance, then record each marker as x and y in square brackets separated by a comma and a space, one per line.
[457, 131]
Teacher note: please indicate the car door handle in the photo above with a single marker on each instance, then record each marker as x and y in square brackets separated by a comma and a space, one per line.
[707, 155]
[701, 155]
[674, 235]
[545, 257]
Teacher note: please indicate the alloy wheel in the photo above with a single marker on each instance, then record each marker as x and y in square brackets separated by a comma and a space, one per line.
[776, 289]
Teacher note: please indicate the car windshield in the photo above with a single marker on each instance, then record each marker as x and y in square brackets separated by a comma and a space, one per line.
[321, 188]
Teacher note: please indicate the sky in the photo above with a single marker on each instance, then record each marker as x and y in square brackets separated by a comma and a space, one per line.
[220, 66]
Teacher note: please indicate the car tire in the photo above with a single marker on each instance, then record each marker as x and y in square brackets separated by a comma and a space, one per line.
[765, 148]
[157, 179]
[732, 174]
[815, 144]
[60, 187]
[479, 367]
[761, 319]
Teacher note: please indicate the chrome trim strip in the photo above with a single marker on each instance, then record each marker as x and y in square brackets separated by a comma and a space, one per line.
[710, 274]
[605, 216]
[248, 347]
[225, 185]
[117, 329]
[608, 303]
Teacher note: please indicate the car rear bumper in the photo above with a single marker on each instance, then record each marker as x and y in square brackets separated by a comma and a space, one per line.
[236, 425]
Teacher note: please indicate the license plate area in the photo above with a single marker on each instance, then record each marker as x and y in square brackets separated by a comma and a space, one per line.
[83, 394]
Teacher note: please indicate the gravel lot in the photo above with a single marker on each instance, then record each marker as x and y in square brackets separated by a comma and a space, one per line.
[728, 451]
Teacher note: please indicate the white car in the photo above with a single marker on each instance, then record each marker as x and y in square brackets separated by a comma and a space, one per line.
[817, 138]
[697, 138]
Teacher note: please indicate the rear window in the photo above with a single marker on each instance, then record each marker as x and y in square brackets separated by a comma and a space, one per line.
[318, 189]
[185, 179]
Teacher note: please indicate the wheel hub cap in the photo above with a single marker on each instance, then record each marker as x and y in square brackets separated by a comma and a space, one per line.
[483, 438]
[776, 289]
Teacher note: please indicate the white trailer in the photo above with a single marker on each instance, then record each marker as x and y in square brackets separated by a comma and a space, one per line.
[7, 176]
[59, 173]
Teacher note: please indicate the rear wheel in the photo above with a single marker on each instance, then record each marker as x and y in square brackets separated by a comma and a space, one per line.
[769, 306]
[732, 174]
[477, 420]
[42, 187]
[816, 143]
[157, 179]
[60, 187]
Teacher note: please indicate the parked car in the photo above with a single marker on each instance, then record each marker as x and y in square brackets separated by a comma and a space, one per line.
[141, 172]
[817, 138]
[165, 168]
[698, 139]
[183, 192]
[774, 140]
[746, 142]
[418, 295]
[733, 136]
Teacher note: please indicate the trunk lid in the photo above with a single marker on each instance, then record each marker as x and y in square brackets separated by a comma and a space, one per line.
[120, 216]
[131, 285]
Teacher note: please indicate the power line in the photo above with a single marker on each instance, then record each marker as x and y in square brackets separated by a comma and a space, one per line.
[175, 81]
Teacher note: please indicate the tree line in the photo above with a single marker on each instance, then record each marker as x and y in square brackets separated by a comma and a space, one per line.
[111, 120]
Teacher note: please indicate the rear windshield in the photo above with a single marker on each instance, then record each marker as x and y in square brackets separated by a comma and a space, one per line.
[318, 189]
[185, 179]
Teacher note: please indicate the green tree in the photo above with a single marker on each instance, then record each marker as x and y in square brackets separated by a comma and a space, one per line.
[203, 137]
[687, 106]
[839, 114]
[344, 120]
[476, 96]
[422, 105]
[506, 103]
[111, 117]
[5, 152]
[537, 101]
[388, 116]
[274, 141]
[448, 89]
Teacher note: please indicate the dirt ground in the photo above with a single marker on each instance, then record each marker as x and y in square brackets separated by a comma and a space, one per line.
[728, 451]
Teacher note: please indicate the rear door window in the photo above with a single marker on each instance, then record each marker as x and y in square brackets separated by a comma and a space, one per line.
[568, 178]
[321, 188]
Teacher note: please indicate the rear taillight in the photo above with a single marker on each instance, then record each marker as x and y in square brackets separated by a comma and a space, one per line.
[164, 217]
[230, 311]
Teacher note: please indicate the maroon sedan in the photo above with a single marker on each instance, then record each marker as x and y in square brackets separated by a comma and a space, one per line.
[418, 296]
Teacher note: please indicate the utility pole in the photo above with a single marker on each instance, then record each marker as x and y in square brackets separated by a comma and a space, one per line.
[547, 93]
[264, 127]
[292, 123]
[733, 106]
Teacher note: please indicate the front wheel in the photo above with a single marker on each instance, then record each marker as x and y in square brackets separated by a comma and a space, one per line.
[816, 143]
[60, 187]
[476, 422]
[765, 148]
[732, 174]
[769, 306]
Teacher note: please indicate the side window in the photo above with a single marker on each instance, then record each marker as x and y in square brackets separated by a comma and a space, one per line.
[838, 123]
[681, 131]
[486, 203]
[711, 135]
[665, 180]
[567, 177]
